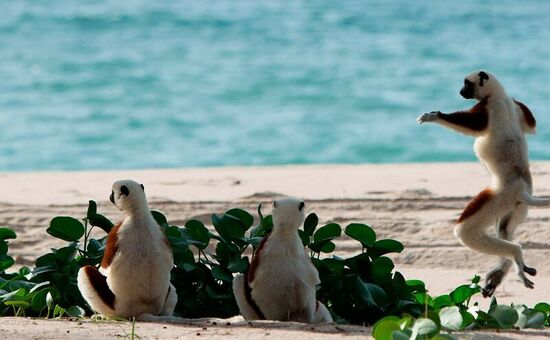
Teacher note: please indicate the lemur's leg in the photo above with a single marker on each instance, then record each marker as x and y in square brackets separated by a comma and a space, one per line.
[171, 301]
[480, 213]
[321, 314]
[505, 230]
[95, 290]
[247, 311]
[468, 123]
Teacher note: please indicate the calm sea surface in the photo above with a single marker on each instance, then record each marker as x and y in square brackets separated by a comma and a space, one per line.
[151, 84]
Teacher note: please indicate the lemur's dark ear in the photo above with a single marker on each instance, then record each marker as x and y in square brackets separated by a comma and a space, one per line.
[124, 190]
[274, 204]
[301, 206]
[141, 185]
[482, 76]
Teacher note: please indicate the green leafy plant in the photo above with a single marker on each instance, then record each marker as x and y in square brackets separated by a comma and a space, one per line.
[362, 289]
[452, 312]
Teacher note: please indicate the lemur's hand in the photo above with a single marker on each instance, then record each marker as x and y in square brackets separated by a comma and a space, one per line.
[427, 117]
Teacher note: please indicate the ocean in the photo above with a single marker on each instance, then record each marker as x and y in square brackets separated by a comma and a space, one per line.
[169, 84]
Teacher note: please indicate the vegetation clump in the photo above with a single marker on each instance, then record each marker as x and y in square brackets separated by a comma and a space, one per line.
[363, 289]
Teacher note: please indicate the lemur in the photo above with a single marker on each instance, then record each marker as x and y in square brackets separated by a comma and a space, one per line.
[280, 282]
[499, 124]
[134, 277]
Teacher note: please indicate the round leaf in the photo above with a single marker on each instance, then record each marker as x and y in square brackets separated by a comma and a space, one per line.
[362, 233]
[196, 231]
[242, 215]
[383, 329]
[311, 223]
[306, 239]
[101, 222]
[327, 232]
[6, 262]
[159, 217]
[372, 294]
[6, 233]
[451, 318]
[66, 228]
[382, 247]
[506, 316]
[424, 327]
[92, 209]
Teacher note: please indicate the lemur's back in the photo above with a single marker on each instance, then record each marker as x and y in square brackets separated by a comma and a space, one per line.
[141, 244]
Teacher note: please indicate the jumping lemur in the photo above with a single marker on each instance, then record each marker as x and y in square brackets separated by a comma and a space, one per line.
[499, 124]
[280, 282]
[134, 277]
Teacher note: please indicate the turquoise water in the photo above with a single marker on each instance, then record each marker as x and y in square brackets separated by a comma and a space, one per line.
[149, 84]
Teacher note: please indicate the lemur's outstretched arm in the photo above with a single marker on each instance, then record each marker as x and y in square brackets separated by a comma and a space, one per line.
[473, 122]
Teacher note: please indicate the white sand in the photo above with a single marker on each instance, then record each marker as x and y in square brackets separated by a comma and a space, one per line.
[414, 203]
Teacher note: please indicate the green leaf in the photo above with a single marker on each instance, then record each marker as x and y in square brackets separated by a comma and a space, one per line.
[3, 247]
[372, 294]
[66, 228]
[7, 233]
[399, 335]
[39, 300]
[159, 218]
[92, 210]
[6, 262]
[327, 232]
[383, 329]
[220, 273]
[451, 318]
[536, 320]
[542, 307]
[463, 293]
[101, 222]
[242, 215]
[228, 227]
[382, 247]
[442, 301]
[381, 268]
[196, 231]
[17, 303]
[310, 224]
[76, 312]
[306, 239]
[506, 316]
[362, 233]
[424, 327]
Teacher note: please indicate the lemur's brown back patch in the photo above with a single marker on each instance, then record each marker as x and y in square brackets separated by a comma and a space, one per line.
[255, 261]
[111, 247]
[477, 118]
[249, 277]
[99, 283]
[527, 115]
[476, 204]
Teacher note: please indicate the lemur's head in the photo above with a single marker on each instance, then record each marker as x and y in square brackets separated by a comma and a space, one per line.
[128, 195]
[288, 213]
[480, 84]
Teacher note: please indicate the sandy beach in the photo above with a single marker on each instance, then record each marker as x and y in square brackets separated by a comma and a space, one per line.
[414, 203]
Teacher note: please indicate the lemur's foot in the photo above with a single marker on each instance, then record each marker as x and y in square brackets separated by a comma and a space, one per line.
[528, 283]
[427, 117]
[494, 278]
[529, 270]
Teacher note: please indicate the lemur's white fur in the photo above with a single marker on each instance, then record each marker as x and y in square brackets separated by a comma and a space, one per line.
[499, 124]
[282, 278]
[137, 263]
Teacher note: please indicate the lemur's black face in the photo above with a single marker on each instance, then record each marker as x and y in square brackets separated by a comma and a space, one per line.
[467, 90]
[124, 191]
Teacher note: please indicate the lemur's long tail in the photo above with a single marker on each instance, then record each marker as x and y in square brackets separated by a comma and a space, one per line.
[528, 199]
